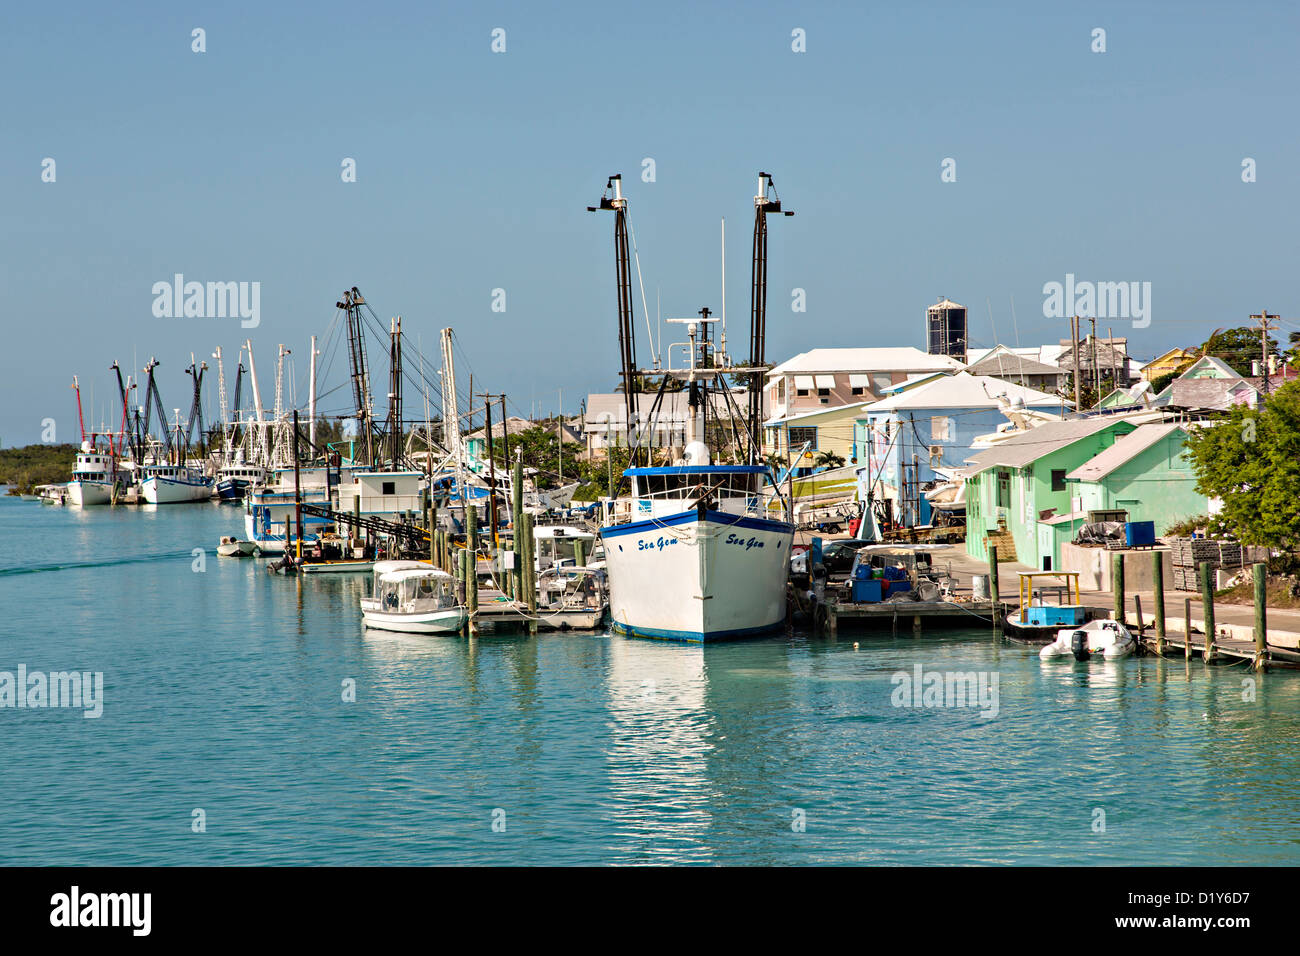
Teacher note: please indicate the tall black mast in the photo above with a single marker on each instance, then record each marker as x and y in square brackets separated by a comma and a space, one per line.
[758, 305]
[612, 199]
[352, 303]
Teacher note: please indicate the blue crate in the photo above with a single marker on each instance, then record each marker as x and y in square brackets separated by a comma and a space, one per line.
[1139, 533]
[866, 592]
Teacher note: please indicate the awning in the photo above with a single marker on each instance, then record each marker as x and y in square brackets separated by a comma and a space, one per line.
[859, 381]
[825, 381]
[803, 381]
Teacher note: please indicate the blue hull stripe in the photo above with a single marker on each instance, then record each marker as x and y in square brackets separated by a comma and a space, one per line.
[693, 637]
[690, 517]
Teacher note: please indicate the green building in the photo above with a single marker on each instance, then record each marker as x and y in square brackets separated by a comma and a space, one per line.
[1019, 487]
[1040, 487]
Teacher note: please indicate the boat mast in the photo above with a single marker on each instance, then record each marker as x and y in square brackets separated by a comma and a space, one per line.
[311, 397]
[196, 406]
[394, 425]
[221, 403]
[612, 199]
[758, 308]
[450, 411]
[264, 453]
[281, 423]
[81, 421]
[351, 304]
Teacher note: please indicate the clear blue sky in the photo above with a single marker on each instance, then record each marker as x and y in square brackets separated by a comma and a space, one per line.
[474, 169]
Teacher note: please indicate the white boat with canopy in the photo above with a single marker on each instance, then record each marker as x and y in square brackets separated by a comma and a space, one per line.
[413, 597]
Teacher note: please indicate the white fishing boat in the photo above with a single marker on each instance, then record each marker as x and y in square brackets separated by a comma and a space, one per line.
[1101, 638]
[94, 476]
[174, 484]
[694, 555]
[701, 562]
[413, 597]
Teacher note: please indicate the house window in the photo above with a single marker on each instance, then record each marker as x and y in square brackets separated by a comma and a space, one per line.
[390, 488]
[858, 390]
[940, 428]
[800, 435]
[801, 392]
[1058, 479]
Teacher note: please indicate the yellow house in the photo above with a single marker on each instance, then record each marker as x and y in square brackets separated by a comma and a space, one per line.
[825, 430]
[1171, 361]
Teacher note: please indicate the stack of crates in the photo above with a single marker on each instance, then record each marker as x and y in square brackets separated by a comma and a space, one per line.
[1189, 553]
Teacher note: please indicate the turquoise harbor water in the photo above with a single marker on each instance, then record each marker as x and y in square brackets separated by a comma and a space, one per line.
[223, 691]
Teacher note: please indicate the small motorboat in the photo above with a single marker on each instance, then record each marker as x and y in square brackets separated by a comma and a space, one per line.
[413, 597]
[572, 597]
[232, 547]
[1106, 639]
[1037, 622]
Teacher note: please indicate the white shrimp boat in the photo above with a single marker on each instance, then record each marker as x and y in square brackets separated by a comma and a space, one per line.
[413, 597]
[1099, 638]
[701, 564]
[93, 477]
[174, 484]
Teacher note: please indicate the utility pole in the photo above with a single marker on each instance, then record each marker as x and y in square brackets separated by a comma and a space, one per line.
[1264, 317]
[559, 428]
[1074, 341]
[1114, 369]
[1096, 378]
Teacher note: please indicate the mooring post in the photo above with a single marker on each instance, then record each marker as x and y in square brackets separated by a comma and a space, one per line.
[916, 625]
[1187, 625]
[529, 577]
[471, 530]
[580, 553]
[1137, 609]
[1117, 584]
[470, 574]
[432, 520]
[1261, 613]
[1157, 569]
[1207, 609]
[993, 588]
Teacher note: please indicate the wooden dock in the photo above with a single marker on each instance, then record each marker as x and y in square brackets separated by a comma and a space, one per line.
[911, 613]
[1224, 650]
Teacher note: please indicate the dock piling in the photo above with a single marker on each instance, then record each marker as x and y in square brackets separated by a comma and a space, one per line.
[1137, 609]
[993, 588]
[1261, 613]
[1158, 568]
[1207, 609]
[1117, 584]
[1187, 624]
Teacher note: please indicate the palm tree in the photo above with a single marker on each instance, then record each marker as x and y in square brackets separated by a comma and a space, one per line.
[828, 459]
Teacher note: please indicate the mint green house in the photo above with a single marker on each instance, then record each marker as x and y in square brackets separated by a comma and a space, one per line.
[1146, 473]
[1019, 486]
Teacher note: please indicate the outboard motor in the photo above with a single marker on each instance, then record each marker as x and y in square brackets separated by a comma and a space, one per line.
[1079, 645]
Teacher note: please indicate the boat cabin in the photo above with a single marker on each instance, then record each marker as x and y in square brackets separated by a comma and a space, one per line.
[412, 587]
[659, 492]
[383, 492]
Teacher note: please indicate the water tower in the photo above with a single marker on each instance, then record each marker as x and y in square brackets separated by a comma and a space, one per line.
[945, 324]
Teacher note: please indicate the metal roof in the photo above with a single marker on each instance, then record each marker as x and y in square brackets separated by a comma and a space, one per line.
[964, 390]
[1122, 452]
[894, 359]
[1037, 442]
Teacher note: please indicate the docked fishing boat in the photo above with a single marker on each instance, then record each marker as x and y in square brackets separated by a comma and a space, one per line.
[94, 476]
[413, 597]
[235, 481]
[1037, 622]
[695, 554]
[1104, 639]
[332, 554]
[174, 484]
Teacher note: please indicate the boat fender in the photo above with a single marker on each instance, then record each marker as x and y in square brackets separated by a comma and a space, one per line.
[1079, 645]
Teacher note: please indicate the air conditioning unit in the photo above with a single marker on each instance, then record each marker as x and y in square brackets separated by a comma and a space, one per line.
[936, 456]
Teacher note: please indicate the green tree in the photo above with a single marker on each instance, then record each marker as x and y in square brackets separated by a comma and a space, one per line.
[1250, 459]
[828, 459]
[1237, 348]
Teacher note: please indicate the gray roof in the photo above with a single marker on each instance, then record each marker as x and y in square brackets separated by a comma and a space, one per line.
[1037, 442]
[1206, 393]
[1008, 363]
[1122, 452]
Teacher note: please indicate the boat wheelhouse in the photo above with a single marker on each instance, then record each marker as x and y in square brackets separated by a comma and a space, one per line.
[235, 480]
[1037, 622]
